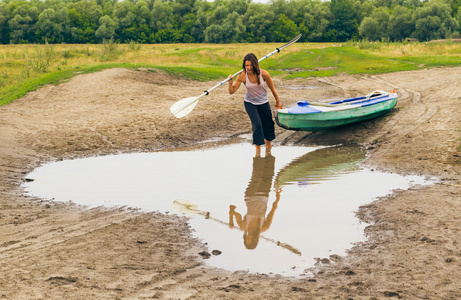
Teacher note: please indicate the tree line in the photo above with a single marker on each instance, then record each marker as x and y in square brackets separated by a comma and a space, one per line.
[225, 21]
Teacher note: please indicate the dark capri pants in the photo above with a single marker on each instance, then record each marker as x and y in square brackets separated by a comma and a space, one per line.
[261, 122]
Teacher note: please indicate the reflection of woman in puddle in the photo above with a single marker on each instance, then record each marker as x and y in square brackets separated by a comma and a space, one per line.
[256, 198]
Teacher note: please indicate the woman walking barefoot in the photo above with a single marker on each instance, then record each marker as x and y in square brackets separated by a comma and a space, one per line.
[257, 101]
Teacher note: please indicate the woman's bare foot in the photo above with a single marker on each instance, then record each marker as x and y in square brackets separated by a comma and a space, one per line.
[268, 147]
[258, 151]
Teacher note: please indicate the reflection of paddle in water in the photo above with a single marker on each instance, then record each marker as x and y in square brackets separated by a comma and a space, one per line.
[188, 207]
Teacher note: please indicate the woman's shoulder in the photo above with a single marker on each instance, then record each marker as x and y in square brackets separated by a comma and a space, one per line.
[264, 74]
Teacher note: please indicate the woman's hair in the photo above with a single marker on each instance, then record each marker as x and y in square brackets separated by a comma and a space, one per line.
[254, 63]
[252, 233]
[251, 239]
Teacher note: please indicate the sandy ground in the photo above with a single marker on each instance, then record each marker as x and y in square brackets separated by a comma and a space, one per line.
[54, 250]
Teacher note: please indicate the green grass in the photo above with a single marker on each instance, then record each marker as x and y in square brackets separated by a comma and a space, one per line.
[431, 61]
[199, 74]
[334, 60]
[204, 62]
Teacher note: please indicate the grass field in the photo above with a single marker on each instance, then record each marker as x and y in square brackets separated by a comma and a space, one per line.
[24, 68]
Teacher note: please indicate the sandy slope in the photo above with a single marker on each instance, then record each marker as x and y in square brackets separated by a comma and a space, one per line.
[54, 250]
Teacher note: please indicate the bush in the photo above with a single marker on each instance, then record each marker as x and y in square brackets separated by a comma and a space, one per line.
[40, 59]
[110, 50]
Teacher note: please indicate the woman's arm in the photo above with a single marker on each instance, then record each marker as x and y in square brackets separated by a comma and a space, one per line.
[267, 78]
[234, 86]
[238, 218]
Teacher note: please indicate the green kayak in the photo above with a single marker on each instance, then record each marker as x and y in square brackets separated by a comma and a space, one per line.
[308, 116]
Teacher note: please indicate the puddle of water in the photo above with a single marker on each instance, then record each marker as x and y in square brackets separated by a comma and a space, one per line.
[271, 215]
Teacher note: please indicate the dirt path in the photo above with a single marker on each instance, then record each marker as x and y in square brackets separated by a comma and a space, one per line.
[59, 250]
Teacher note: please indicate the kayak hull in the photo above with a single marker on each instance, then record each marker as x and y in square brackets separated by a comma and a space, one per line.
[316, 117]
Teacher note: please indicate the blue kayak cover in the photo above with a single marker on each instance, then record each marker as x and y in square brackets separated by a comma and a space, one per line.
[303, 107]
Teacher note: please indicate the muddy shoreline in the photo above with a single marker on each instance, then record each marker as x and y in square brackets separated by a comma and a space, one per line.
[54, 250]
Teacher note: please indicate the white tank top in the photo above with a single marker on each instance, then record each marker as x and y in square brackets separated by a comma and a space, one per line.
[256, 94]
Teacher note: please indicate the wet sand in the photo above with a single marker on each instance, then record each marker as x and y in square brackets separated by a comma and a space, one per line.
[52, 250]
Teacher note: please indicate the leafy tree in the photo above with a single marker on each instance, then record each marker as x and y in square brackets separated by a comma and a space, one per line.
[386, 3]
[239, 6]
[106, 28]
[108, 8]
[400, 24]
[458, 16]
[4, 28]
[143, 33]
[84, 21]
[166, 36]
[142, 12]
[363, 9]
[162, 14]
[54, 25]
[183, 7]
[224, 27]
[455, 5]
[123, 13]
[186, 26]
[283, 30]
[258, 19]
[381, 15]
[369, 29]
[344, 24]
[200, 25]
[314, 17]
[225, 21]
[434, 21]
[411, 4]
[22, 23]
[282, 7]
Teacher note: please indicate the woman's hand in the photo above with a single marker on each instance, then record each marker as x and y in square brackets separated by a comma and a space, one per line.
[234, 86]
[278, 105]
[231, 88]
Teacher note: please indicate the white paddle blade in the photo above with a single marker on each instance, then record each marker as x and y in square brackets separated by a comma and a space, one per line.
[185, 206]
[183, 107]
